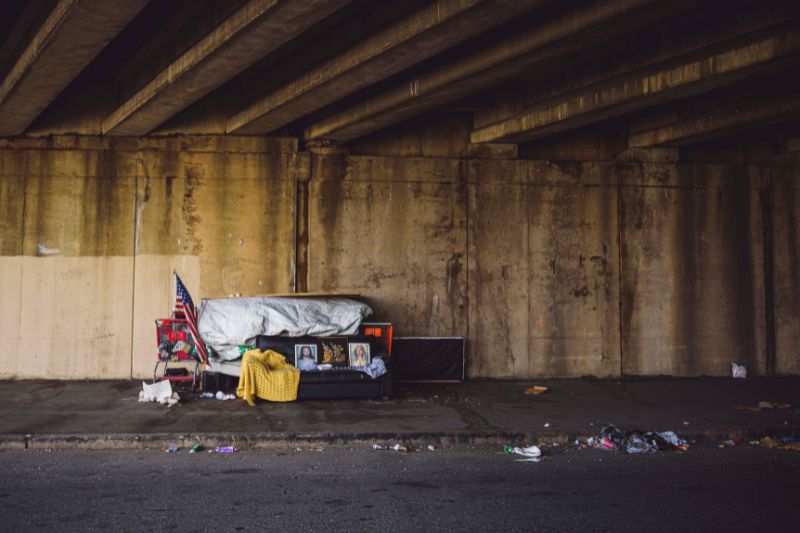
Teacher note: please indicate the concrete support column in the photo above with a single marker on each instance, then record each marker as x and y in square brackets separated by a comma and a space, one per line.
[321, 160]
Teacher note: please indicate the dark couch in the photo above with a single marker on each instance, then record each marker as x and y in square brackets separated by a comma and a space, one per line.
[337, 382]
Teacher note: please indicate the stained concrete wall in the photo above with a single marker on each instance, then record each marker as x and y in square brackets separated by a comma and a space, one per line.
[693, 297]
[603, 268]
[394, 230]
[785, 199]
[91, 229]
[543, 269]
[592, 268]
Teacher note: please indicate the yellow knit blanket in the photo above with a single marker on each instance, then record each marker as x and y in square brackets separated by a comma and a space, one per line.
[268, 376]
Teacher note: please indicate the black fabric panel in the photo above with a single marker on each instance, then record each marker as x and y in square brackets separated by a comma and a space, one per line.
[334, 376]
[429, 358]
[319, 391]
[213, 382]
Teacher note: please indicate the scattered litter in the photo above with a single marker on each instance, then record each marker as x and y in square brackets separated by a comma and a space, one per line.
[532, 454]
[613, 438]
[225, 449]
[685, 422]
[787, 443]
[172, 449]
[547, 424]
[160, 391]
[769, 442]
[772, 405]
[396, 447]
[754, 443]
[738, 371]
[763, 405]
[536, 389]
[222, 396]
[431, 447]
[196, 448]
[207, 395]
[735, 441]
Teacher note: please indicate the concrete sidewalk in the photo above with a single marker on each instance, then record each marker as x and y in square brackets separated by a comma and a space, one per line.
[106, 414]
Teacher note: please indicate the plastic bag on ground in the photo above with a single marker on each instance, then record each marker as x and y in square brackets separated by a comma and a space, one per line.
[738, 371]
[532, 454]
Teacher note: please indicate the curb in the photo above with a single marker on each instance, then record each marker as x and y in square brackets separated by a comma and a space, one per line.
[284, 441]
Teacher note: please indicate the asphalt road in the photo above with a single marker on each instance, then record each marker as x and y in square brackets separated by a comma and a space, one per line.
[707, 489]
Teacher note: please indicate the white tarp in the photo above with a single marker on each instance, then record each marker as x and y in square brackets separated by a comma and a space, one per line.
[226, 323]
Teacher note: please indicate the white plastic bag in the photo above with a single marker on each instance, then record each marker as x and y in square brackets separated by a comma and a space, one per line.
[532, 454]
[738, 371]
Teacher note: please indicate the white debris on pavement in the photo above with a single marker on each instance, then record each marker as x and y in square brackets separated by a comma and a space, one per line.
[160, 391]
[532, 454]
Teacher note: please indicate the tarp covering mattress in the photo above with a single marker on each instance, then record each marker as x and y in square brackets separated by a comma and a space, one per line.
[227, 323]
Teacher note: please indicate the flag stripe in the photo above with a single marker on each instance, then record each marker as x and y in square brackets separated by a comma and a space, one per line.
[185, 306]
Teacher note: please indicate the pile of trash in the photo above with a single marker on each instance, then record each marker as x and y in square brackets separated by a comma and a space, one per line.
[613, 438]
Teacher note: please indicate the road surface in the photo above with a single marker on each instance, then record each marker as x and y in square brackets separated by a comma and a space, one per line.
[707, 489]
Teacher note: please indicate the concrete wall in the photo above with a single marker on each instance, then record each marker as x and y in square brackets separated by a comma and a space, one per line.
[585, 268]
[601, 268]
[785, 200]
[692, 270]
[91, 229]
[543, 269]
[395, 230]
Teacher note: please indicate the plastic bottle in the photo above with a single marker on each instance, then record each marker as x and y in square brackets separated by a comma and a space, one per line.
[196, 448]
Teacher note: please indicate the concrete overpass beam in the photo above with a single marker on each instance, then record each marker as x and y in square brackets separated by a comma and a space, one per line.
[478, 71]
[253, 31]
[644, 89]
[424, 34]
[720, 120]
[71, 36]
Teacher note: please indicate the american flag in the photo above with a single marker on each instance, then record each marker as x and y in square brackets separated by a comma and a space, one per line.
[184, 308]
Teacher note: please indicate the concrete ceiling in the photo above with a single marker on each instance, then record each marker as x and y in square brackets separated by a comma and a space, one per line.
[339, 70]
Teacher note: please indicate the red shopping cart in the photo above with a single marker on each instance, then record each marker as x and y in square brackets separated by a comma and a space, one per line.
[176, 345]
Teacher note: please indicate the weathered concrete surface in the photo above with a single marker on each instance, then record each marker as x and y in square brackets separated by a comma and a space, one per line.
[69, 39]
[543, 266]
[703, 124]
[395, 230]
[253, 31]
[543, 270]
[235, 211]
[92, 229]
[655, 51]
[632, 92]
[472, 73]
[429, 31]
[786, 249]
[692, 294]
[105, 414]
